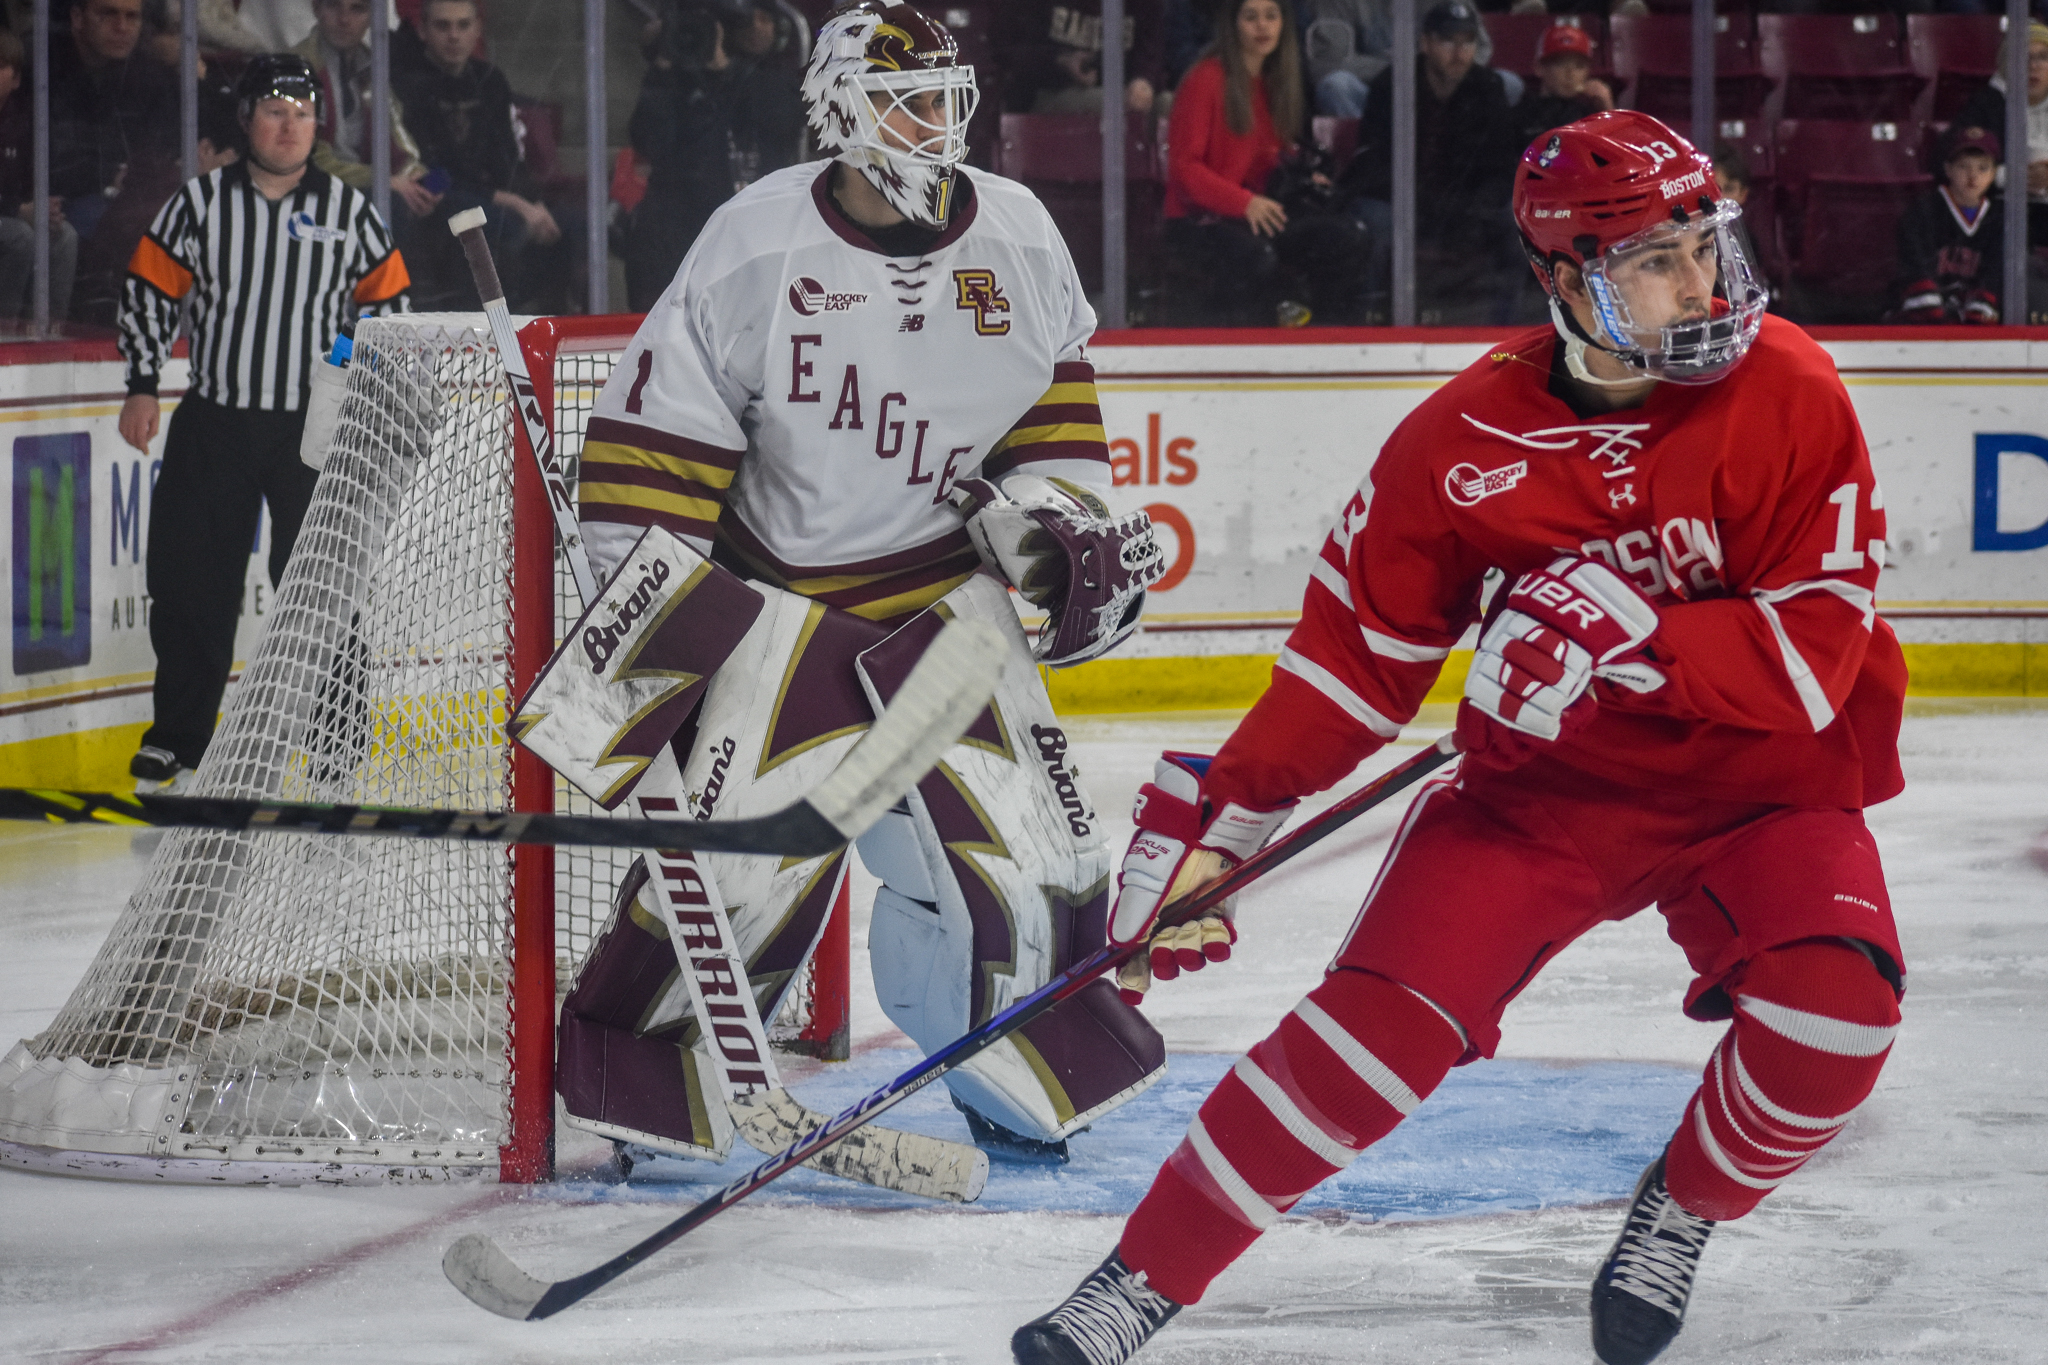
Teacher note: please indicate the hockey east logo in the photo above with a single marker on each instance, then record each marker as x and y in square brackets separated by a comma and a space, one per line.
[1469, 485]
[810, 298]
[601, 642]
[1052, 752]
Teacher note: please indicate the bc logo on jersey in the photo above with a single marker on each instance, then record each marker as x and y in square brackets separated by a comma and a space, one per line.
[978, 293]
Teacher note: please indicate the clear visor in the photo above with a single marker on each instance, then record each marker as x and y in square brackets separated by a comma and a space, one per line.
[919, 116]
[1680, 300]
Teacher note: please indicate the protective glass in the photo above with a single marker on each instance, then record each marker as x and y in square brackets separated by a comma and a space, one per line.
[1642, 285]
[939, 143]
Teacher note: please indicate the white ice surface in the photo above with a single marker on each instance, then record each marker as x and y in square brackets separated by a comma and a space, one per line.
[1918, 1236]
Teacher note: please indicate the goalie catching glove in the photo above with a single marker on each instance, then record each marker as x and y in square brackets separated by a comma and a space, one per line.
[1548, 636]
[1183, 842]
[1057, 544]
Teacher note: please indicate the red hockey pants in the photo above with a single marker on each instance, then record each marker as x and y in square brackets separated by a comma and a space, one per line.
[1782, 914]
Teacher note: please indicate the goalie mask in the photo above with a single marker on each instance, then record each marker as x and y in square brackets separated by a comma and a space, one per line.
[1635, 207]
[885, 92]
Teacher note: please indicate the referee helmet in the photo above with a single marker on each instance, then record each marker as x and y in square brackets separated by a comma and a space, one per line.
[276, 75]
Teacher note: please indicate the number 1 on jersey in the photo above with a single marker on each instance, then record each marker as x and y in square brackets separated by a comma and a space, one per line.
[1844, 555]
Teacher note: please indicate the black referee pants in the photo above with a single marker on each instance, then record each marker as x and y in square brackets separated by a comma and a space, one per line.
[220, 466]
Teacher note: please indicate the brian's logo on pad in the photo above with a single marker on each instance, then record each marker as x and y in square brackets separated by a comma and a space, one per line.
[1469, 484]
[810, 298]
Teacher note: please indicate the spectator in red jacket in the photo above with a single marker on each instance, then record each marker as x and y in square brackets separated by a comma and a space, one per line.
[1245, 214]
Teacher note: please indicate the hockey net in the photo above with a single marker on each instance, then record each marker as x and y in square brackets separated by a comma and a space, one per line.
[278, 1007]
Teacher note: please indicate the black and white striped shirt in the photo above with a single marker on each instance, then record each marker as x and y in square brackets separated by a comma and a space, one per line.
[270, 283]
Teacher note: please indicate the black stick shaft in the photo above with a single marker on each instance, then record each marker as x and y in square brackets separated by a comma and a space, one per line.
[564, 1293]
[798, 829]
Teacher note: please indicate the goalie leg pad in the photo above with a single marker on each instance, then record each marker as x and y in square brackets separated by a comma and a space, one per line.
[1018, 869]
[627, 1062]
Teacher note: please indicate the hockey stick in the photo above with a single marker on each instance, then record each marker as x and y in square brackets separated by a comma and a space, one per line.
[489, 1278]
[946, 690]
[910, 1162]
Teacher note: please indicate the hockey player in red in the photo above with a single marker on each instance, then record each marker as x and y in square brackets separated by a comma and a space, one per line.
[1681, 697]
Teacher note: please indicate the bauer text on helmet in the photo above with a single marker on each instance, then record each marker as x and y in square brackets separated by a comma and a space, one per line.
[887, 95]
[1656, 275]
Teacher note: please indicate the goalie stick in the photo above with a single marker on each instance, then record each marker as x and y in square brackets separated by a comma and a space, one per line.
[762, 1111]
[489, 1278]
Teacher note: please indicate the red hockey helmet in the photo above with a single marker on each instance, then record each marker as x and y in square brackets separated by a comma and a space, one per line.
[1611, 193]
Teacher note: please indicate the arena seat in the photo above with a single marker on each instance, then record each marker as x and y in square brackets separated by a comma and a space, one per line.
[1841, 186]
[1837, 66]
[1059, 156]
[1955, 54]
[1653, 55]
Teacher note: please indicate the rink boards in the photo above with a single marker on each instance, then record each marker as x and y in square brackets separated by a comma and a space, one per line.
[1241, 445]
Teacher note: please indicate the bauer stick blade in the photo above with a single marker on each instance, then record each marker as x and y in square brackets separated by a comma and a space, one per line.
[489, 1278]
[945, 691]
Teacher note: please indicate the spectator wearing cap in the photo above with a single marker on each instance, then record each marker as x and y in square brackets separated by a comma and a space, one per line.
[1348, 43]
[1986, 109]
[1951, 240]
[1468, 259]
[17, 200]
[1566, 90]
[265, 257]
[1238, 117]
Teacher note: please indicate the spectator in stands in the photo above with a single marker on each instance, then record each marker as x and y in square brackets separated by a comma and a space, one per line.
[1951, 241]
[708, 122]
[1567, 91]
[459, 109]
[17, 201]
[112, 108]
[338, 49]
[773, 43]
[1469, 261]
[1239, 113]
[1986, 109]
[1348, 42]
[103, 261]
[1050, 55]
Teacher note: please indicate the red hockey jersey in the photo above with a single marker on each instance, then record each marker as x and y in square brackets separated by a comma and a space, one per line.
[1746, 510]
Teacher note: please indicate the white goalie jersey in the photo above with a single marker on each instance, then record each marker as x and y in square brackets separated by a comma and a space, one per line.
[807, 401]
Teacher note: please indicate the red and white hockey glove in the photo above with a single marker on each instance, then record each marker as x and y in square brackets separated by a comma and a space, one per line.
[1551, 633]
[1183, 842]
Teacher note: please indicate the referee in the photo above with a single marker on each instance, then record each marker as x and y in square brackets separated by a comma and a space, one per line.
[271, 255]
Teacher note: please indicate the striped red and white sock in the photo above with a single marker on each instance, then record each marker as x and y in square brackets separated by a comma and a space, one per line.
[1814, 1022]
[1350, 1062]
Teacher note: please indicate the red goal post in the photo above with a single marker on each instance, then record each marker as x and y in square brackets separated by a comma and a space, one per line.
[561, 895]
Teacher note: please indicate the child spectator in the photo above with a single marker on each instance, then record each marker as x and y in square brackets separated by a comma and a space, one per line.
[1567, 91]
[1238, 113]
[1951, 240]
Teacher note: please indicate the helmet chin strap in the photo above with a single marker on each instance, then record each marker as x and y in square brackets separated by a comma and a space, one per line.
[1575, 344]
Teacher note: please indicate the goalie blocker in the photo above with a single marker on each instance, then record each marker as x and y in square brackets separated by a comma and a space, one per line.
[995, 868]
